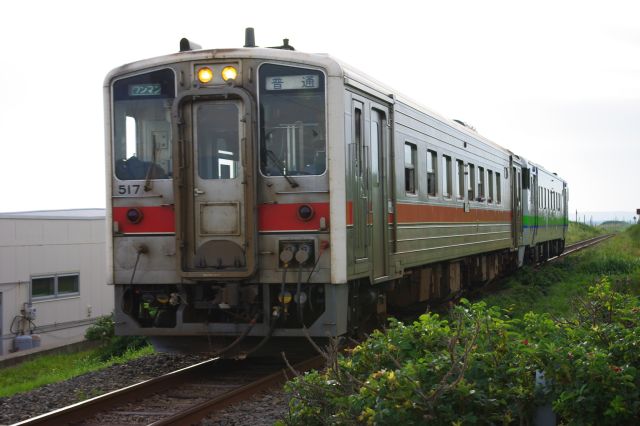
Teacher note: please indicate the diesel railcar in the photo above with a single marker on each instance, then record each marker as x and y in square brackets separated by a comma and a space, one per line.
[258, 193]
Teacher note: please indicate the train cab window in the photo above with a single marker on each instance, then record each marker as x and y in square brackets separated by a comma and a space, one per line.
[490, 182]
[292, 121]
[460, 172]
[471, 182]
[410, 153]
[498, 189]
[481, 188]
[217, 140]
[432, 168]
[447, 186]
[142, 125]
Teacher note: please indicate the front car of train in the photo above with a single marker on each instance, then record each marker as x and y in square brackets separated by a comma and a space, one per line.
[223, 228]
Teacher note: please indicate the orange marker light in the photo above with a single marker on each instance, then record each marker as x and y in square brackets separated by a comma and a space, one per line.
[205, 75]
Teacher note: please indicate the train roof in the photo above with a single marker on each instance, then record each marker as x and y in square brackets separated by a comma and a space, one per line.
[332, 65]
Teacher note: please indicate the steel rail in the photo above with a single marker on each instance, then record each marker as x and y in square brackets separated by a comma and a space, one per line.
[197, 412]
[87, 408]
[581, 245]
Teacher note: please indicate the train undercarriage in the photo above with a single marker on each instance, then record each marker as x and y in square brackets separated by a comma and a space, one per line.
[242, 319]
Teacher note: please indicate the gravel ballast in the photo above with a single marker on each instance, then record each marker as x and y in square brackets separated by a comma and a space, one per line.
[57, 395]
[264, 409]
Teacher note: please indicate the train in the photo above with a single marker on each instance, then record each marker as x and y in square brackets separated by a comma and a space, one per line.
[262, 193]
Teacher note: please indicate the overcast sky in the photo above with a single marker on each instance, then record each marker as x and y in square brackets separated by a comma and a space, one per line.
[557, 82]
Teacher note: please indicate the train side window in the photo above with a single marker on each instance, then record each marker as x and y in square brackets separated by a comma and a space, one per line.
[447, 186]
[471, 182]
[460, 168]
[490, 181]
[540, 197]
[432, 168]
[410, 152]
[498, 189]
[546, 198]
[481, 189]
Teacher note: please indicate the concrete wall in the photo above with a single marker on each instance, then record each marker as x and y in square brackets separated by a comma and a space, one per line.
[36, 245]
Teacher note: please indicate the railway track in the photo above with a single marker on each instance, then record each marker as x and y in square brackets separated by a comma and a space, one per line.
[183, 396]
[581, 245]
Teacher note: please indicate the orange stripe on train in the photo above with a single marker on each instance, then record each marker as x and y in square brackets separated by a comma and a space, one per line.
[414, 213]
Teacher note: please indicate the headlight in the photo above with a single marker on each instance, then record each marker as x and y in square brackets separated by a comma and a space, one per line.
[229, 73]
[205, 75]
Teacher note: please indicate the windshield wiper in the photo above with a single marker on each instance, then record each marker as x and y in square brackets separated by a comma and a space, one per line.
[147, 180]
[282, 167]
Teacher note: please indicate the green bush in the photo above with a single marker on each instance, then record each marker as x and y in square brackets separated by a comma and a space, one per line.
[478, 367]
[111, 345]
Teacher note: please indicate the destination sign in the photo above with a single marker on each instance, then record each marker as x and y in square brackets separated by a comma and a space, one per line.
[293, 82]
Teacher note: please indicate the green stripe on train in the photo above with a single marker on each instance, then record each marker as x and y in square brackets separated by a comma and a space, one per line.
[530, 221]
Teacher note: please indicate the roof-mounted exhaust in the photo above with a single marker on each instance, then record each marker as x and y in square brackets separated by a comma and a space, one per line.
[186, 45]
[285, 45]
[249, 38]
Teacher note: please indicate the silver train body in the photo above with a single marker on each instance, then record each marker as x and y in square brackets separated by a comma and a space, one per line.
[259, 192]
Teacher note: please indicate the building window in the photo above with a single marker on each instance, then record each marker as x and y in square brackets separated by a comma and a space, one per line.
[498, 189]
[53, 286]
[432, 183]
[447, 187]
[460, 167]
[410, 168]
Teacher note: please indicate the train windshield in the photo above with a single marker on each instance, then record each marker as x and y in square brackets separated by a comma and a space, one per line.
[292, 121]
[142, 126]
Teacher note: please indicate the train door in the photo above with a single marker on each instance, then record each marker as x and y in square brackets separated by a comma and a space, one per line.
[369, 165]
[359, 175]
[516, 204]
[565, 210]
[218, 218]
[378, 142]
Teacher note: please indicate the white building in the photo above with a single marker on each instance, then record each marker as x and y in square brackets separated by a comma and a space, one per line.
[52, 277]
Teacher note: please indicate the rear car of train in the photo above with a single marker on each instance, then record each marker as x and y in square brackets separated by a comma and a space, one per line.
[219, 194]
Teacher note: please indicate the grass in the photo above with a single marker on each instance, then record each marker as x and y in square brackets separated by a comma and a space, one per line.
[579, 232]
[554, 288]
[48, 369]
